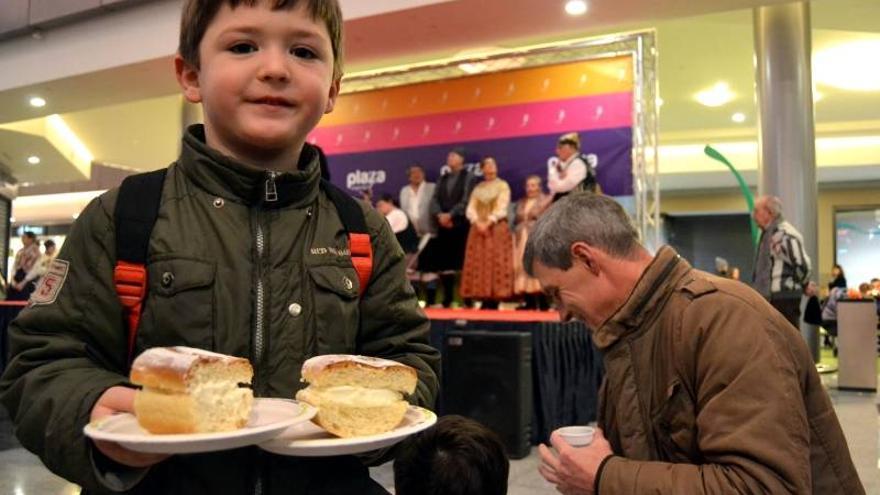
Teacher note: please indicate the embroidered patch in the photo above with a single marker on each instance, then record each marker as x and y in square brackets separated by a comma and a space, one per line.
[50, 283]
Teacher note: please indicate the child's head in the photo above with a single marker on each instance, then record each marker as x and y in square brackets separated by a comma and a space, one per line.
[457, 456]
[198, 14]
[385, 204]
[265, 72]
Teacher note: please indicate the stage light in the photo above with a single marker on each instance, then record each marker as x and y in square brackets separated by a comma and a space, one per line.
[738, 117]
[576, 7]
[850, 66]
[37, 102]
[717, 95]
[33, 160]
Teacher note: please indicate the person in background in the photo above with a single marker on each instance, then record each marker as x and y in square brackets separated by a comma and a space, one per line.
[20, 288]
[488, 259]
[570, 172]
[253, 260]
[528, 209]
[456, 456]
[401, 226]
[444, 254]
[42, 266]
[415, 201]
[838, 279]
[829, 316]
[707, 388]
[782, 267]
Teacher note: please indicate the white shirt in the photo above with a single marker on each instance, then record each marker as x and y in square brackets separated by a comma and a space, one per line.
[575, 172]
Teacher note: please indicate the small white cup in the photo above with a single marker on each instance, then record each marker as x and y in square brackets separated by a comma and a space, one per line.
[577, 436]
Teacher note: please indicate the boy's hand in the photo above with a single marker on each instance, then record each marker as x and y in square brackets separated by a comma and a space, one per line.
[115, 400]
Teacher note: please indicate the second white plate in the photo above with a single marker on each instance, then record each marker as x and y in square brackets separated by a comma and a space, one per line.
[310, 440]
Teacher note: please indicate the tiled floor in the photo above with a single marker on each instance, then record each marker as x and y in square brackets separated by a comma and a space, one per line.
[21, 473]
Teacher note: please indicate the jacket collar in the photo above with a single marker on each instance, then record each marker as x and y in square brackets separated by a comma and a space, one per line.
[222, 176]
[646, 298]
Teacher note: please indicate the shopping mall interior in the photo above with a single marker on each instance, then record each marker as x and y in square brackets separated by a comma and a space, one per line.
[705, 124]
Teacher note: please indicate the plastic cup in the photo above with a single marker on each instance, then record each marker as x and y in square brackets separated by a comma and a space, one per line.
[577, 436]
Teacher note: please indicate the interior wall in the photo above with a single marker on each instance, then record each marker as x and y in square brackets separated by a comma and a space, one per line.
[732, 201]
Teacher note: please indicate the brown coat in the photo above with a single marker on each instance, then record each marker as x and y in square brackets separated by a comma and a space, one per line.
[709, 390]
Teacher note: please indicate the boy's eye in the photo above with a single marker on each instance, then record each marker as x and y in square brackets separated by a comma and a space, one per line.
[301, 52]
[242, 48]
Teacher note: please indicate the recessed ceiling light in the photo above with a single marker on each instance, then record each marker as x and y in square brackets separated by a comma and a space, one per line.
[37, 102]
[660, 102]
[844, 66]
[576, 7]
[34, 160]
[717, 95]
[738, 117]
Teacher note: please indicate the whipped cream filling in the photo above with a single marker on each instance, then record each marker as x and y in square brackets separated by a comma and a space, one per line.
[357, 396]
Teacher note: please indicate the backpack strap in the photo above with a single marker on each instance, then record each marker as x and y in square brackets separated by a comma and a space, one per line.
[352, 217]
[137, 207]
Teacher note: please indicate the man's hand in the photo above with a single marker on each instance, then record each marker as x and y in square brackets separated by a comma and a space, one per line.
[483, 227]
[573, 470]
[445, 220]
[115, 400]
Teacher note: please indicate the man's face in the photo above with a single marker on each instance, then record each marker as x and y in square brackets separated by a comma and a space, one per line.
[416, 176]
[564, 151]
[384, 207]
[533, 187]
[265, 80]
[762, 215]
[579, 293]
[455, 161]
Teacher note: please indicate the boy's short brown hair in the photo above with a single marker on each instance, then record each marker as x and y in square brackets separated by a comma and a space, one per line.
[198, 14]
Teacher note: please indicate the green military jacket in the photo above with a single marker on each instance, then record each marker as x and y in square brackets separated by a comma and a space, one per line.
[228, 271]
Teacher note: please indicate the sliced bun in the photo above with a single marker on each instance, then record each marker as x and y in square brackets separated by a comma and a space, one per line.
[188, 390]
[333, 370]
[357, 395]
[346, 419]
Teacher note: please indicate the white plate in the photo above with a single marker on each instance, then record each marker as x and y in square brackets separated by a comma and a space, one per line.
[268, 418]
[310, 440]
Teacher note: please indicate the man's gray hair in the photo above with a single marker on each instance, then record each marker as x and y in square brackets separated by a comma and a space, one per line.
[594, 219]
[774, 206]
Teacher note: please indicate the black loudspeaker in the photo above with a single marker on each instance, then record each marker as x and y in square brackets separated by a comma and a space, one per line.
[487, 376]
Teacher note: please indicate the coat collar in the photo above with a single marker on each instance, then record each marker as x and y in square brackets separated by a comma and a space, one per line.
[222, 176]
[646, 298]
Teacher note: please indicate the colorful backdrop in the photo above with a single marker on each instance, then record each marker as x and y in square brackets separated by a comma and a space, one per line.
[515, 116]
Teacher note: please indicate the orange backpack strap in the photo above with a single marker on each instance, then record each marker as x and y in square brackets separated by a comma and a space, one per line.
[352, 217]
[137, 207]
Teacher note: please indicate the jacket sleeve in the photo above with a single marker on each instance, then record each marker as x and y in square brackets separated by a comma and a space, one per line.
[67, 352]
[792, 252]
[393, 326]
[751, 426]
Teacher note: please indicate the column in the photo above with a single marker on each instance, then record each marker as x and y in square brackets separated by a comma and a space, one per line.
[786, 134]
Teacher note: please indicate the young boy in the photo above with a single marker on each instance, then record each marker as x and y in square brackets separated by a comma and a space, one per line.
[248, 257]
[457, 456]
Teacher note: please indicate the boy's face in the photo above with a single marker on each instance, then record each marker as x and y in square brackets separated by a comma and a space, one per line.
[265, 80]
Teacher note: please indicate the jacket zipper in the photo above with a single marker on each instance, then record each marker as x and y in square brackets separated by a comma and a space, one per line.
[271, 190]
[259, 326]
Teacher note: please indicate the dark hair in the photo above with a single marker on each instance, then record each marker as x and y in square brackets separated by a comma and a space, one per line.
[198, 14]
[460, 151]
[388, 198]
[49, 243]
[29, 235]
[457, 456]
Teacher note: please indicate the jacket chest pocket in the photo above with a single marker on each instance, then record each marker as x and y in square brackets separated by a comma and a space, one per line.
[335, 314]
[180, 304]
[674, 426]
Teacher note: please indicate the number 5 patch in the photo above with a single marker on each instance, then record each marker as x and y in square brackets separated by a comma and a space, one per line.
[50, 283]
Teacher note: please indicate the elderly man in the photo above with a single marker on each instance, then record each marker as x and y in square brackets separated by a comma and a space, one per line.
[782, 266]
[707, 389]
